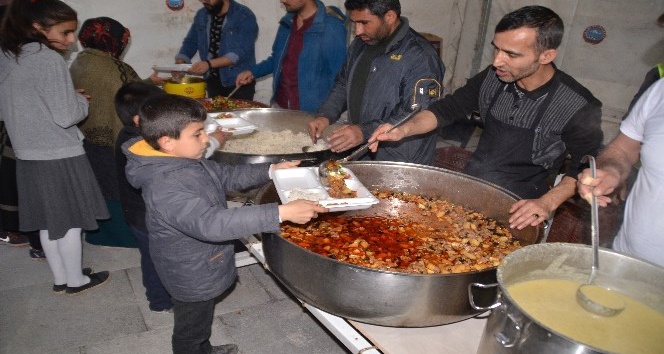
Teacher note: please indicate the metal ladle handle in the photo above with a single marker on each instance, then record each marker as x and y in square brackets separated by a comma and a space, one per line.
[234, 91]
[594, 220]
[415, 108]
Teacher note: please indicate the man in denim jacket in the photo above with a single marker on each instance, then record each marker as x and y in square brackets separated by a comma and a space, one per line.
[389, 67]
[224, 35]
[307, 53]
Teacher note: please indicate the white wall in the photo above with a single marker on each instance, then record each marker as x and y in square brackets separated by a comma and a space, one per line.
[613, 69]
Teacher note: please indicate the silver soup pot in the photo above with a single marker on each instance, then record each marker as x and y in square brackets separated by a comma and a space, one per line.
[509, 329]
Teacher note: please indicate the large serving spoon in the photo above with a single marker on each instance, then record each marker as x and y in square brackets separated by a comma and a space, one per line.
[234, 91]
[322, 168]
[591, 297]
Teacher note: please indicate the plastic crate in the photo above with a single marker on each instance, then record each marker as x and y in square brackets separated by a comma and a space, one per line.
[452, 158]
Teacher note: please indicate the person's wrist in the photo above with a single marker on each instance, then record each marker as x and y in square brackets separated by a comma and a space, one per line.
[209, 64]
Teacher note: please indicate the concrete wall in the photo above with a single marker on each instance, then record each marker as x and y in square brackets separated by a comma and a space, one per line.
[613, 69]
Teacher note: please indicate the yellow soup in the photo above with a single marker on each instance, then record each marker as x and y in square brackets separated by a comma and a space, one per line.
[552, 302]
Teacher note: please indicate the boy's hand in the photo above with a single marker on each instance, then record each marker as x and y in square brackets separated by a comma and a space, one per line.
[221, 136]
[285, 164]
[300, 211]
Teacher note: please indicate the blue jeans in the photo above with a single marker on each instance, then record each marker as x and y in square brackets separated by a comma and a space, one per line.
[155, 292]
[192, 327]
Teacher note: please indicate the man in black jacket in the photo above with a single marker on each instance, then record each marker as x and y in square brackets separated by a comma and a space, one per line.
[388, 68]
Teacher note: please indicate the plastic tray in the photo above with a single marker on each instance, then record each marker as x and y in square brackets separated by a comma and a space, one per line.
[237, 126]
[306, 179]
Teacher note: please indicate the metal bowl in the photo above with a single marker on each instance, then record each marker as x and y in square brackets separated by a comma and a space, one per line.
[390, 298]
[274, 119]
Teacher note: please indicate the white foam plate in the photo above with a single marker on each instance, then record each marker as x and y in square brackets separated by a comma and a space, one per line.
[172, 67]
[222, 115]
[306, 179]
[237, 126]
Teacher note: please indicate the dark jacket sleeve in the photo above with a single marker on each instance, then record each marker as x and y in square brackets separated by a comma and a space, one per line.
[583, 135]
[201, 212]
[336, 102]
[459, 105]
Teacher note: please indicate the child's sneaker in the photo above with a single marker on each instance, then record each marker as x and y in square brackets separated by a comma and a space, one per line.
[13, 239]
[37, 254]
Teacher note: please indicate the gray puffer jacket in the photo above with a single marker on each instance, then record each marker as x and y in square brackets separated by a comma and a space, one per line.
[409, 71]
[189, 221]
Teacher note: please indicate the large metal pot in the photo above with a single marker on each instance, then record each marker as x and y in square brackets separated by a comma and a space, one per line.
[383, 297]
[273, 119]
[509, 329]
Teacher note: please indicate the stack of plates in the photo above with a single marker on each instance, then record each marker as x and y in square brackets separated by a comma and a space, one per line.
[304, 183]
[172, 67]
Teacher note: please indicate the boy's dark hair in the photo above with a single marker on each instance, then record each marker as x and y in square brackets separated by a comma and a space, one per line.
[548, 24]
[17, 30]
[376, 7]
[167, 115]
[130, 97]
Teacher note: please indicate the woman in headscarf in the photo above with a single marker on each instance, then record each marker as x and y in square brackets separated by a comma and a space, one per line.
[99, 71]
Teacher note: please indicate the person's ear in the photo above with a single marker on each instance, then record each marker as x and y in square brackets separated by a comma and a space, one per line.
[165, 143]
[136, 119]
[548, 56]
[390, 17]
[38, 27]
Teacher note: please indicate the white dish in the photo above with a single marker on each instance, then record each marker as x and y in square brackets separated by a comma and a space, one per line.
[305, 180]
[211, 125]
[237, 126]
[172, 67]
[222, 115]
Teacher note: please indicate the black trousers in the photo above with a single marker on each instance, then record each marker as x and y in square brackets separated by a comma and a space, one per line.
[192, 327]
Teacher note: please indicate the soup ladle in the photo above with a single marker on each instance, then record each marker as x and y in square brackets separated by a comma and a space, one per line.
[594, 298]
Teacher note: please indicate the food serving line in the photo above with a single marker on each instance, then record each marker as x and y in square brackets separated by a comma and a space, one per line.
[374, 311]
[438, 299]
[460, 337]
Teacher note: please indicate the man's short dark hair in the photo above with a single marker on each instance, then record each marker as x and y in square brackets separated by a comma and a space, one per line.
[168, 115]
[376, 7]
[548, 24]
[130, 97]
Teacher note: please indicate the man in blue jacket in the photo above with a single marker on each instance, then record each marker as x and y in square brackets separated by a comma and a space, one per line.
[307, 53]
[224, 35]
[389, 67]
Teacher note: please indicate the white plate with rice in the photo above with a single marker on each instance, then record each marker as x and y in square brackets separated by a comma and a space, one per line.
[304, 183]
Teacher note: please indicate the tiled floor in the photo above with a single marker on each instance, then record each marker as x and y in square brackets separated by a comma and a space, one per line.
[258, 314]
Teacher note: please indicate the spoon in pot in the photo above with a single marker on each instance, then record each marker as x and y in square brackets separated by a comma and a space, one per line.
[591, 297]
[323, 169]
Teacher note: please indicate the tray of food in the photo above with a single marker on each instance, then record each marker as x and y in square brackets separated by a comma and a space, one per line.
[221, 103]
[222, 115]
[304, 183]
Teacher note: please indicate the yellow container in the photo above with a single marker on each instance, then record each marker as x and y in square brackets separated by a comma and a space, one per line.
[193, 87]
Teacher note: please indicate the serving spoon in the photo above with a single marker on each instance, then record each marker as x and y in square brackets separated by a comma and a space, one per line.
[594, 298]
[322, 168]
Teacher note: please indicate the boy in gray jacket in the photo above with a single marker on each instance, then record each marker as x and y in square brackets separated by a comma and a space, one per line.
[187, 216]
